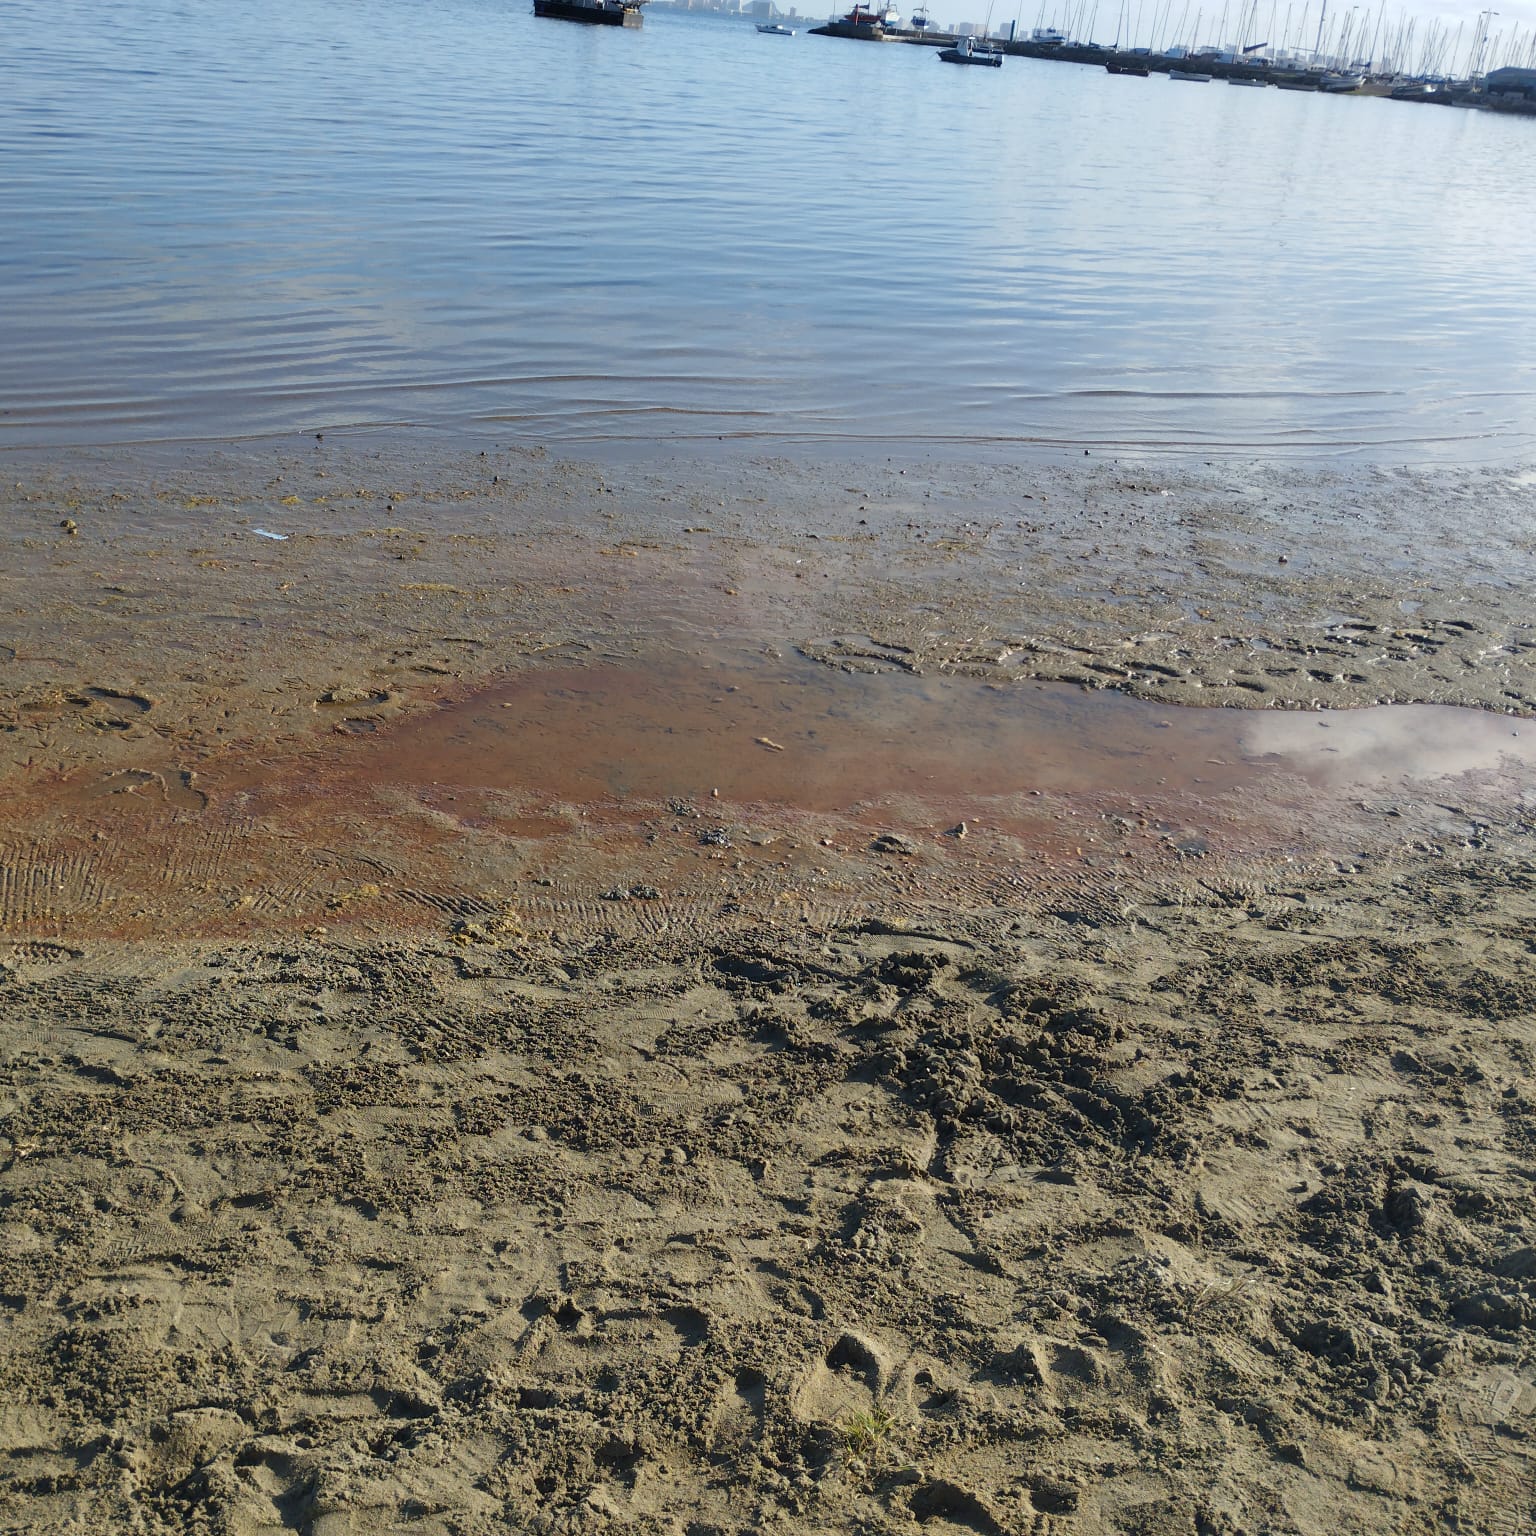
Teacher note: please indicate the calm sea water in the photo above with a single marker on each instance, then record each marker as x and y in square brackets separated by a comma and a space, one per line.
[222, 219]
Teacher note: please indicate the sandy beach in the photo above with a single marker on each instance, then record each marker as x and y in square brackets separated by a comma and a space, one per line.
[736, 993]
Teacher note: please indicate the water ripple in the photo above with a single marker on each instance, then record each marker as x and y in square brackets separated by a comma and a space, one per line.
[228, 219]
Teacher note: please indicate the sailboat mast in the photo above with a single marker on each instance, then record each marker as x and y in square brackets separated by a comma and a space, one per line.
[1178, 35]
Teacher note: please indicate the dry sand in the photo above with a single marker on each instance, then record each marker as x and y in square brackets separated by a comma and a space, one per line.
[1143, 1143]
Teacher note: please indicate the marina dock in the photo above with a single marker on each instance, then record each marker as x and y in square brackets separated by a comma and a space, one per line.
[1491, 93]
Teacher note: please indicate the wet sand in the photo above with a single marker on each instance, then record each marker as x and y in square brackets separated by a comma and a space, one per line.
[732, 995]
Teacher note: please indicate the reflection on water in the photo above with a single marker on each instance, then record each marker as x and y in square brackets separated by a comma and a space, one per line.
[235, 218]
[1397, 745]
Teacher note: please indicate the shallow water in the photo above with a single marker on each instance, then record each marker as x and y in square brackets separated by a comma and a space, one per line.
[226, 219]
[686, 782]
[795, 733]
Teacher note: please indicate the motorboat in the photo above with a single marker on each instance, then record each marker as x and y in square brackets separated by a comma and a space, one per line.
[1189, 74]
[1436, 91]
[775, 29]
[966, 52]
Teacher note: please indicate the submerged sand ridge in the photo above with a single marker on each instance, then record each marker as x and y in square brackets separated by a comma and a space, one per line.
[427, 1107]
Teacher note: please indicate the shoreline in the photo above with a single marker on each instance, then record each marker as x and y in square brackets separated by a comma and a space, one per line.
[1267, 587]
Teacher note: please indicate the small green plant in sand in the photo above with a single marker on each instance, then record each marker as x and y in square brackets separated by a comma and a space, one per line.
[865, 1433]
[870, 1440]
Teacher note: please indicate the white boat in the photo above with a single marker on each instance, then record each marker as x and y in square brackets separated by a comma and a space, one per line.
[1189, 74]
[966, 52]
[773, 29]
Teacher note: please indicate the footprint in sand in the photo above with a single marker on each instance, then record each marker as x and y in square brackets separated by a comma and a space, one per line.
[939, 1504]
[108, 709]
[849, 1379]
[369, 708]
[35, 959]
[175, 789]
[737, 1419]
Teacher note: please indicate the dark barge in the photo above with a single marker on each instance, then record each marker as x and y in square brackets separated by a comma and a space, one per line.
[600, 13]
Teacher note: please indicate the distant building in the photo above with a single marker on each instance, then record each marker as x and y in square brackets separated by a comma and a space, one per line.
[1511, 82]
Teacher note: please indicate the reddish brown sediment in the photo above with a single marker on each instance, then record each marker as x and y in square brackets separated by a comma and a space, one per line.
[734, 782]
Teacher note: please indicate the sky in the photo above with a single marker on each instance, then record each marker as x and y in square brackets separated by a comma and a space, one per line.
[1511, 17]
